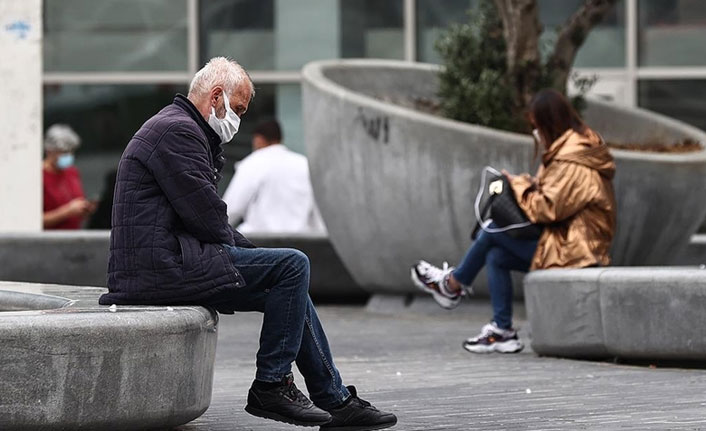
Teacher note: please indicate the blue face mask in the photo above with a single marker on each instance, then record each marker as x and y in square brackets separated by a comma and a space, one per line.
[65, 161]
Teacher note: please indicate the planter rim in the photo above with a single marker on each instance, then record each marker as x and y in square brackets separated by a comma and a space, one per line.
[313, 74]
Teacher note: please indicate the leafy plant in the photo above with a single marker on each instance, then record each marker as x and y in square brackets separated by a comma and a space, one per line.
[473, 84]
[492, 63]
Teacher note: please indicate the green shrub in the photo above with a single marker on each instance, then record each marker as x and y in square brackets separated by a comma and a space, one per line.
[474, 84]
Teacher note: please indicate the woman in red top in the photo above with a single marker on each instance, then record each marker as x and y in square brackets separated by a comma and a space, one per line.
[65, 206]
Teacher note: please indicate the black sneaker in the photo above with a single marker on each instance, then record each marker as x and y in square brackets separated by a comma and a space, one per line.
[358, 415]
[494, 339]
[285, 403]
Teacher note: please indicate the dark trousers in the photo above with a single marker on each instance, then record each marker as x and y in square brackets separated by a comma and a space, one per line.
[277, 284]
[499, 253]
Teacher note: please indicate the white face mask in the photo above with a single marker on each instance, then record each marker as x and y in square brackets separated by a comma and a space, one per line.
[537, 136]
[227, 126]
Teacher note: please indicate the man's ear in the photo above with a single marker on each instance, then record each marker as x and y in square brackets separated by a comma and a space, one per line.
[216, 94]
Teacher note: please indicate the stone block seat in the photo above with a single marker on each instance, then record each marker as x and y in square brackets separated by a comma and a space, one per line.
[67, 363]
[639, 313]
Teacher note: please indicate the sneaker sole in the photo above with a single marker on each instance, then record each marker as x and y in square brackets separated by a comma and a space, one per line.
[439, 298]
[279, 418]
[360, 427]
[506, 347]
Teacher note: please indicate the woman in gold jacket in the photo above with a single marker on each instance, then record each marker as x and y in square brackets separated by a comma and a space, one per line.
[571, 196]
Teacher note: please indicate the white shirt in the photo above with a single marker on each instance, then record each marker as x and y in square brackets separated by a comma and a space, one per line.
[271, 192]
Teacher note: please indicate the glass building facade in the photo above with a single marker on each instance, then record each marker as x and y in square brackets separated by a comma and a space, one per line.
[111, 64]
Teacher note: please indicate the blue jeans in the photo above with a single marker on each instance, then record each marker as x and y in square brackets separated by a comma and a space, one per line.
[277, 284]
[500, 253]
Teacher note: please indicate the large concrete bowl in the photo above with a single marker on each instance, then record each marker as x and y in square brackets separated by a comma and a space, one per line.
[395, 185]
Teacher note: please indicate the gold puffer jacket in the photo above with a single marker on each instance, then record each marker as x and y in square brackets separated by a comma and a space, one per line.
[573, 197]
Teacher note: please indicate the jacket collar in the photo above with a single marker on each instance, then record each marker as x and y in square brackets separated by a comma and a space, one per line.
[587, 149]
[556, 146]
[214, 140]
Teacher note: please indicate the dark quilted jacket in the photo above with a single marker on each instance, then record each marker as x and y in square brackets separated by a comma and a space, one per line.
[169, 223]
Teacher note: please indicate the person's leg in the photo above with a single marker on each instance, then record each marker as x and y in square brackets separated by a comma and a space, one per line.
[313, 355]
[348, 411]
[475, 258]
[499, 263]
[267, 271]
[499, 336]
[323, 381]
[446, 284]
[277, 284]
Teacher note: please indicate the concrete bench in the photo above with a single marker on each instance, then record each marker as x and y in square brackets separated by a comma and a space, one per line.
[652, 313]
[81, 258]
[68, 363]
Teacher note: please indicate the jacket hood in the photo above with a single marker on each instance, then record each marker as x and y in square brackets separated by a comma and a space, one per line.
[587, 149]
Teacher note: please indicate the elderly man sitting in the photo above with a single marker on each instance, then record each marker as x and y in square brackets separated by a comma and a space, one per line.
[171, 244]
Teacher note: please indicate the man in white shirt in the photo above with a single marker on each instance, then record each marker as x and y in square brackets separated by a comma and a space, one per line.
[271, 191]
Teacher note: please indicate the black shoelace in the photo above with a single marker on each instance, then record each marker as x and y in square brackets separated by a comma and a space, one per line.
[294, 393]
[363, 403]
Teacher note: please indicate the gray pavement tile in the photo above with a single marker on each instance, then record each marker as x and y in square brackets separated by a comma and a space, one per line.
[412, 364]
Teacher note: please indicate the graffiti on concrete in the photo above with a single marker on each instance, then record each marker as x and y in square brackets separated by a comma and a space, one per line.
[377, 127]
[20, 28]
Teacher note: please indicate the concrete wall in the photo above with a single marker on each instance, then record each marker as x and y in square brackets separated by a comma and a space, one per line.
[695, 253]
[20, 115]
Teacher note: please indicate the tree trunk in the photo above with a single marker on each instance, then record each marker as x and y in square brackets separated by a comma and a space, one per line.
[521, 30]
[571, 37]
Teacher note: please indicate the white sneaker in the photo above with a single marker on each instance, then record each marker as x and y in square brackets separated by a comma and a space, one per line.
[494, 339]
[432, 279]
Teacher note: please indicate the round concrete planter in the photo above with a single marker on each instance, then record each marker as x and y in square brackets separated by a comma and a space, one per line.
[69, 364]
[395, 185]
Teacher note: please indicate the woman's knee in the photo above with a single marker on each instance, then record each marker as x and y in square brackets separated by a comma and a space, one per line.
[495, 257]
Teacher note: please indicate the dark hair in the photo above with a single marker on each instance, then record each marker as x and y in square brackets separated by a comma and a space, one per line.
[269, 130]
[553, 115]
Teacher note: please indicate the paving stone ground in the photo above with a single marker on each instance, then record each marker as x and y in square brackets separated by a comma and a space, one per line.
[412, 364]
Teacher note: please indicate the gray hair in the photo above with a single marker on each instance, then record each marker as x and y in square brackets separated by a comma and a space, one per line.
[60, 137]
[219, 71]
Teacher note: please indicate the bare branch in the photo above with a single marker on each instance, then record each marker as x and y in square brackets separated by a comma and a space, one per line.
[572, 36]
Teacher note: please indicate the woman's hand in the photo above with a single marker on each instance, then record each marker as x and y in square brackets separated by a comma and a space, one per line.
[76, 207]
[508, 175]
[79, 207]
